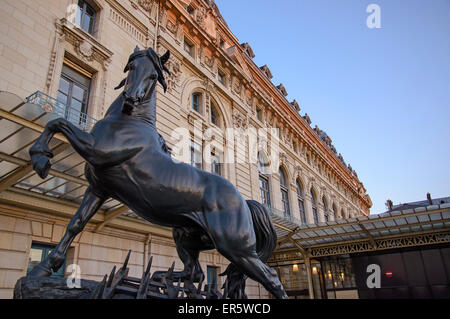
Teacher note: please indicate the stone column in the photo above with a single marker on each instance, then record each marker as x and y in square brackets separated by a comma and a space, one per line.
[308, 208]
[320, 212]
[293, 202]
[309, 276]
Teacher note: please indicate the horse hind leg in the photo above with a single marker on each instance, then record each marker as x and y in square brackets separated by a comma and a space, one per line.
[242, 253]
[254, 268]
[188, 248]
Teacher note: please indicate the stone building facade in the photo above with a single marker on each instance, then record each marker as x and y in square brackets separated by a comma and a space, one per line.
[46, 45]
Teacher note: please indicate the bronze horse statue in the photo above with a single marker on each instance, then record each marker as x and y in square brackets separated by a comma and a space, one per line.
[126, 159]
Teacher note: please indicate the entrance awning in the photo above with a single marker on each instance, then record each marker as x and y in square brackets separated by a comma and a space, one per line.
[423, 225]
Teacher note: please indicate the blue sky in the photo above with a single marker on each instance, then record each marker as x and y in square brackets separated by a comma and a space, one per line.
[382, 95]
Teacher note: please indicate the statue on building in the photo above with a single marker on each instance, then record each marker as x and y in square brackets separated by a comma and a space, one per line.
[128, 160]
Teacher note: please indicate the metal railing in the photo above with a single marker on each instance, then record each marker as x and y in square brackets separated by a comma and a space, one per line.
[52, 105]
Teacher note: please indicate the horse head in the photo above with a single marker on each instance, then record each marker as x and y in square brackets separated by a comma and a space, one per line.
[145, 68]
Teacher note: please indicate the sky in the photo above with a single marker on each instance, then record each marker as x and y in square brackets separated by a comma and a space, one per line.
[381, 94]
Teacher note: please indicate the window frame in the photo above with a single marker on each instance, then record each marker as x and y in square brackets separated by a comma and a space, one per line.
[83, 13]
[221, 77]
[68, 105]
[301, 203]
[46, 250]
[209, 280]
[199, 99]
[188, 43]
[314, 207]
[264, 192]
[284, 189]
[325, 210]
[193, 151]
[215, 163]
[215, 109]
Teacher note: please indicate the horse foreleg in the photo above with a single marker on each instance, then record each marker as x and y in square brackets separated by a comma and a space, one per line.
[89, 206]
[40, 152]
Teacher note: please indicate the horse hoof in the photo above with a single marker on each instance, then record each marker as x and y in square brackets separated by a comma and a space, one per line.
[41, 165]
[40, 271]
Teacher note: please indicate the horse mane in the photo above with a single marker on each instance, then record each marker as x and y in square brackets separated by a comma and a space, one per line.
[165, 148]
[158, 61]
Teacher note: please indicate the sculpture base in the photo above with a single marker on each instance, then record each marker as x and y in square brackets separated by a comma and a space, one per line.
[52, 288]
[118, 285]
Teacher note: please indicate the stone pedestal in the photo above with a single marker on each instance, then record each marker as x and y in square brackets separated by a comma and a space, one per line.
[52, 288]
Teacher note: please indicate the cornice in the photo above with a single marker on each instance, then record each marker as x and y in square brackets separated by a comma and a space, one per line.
[284, 110]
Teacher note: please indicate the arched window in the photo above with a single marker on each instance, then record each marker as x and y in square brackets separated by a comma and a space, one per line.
[301, 204]
[215, 117]
[196, 100]
[314, 207]
[263, 180]
[284, 192]
[325, 209]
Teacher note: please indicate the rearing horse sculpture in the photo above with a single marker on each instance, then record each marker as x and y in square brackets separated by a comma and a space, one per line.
[126, 160]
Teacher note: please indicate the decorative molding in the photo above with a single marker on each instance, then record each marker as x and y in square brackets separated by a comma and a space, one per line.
[128, 23]
[240, 121]
[86, 47]
[147, 5]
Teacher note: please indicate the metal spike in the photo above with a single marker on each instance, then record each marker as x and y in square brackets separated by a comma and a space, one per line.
[111, 277]
[143, 287]
[170, 272]
[98, 292]
[125, 264]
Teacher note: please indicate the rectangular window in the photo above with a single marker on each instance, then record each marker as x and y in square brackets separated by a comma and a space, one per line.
[189, 47]
[196, 155]
[302, 211]
[215, 165]
[221, 77]
[316, 217]
[196, 102]
[212, 276]
[285, 201]
[73, 94]
[85, 16]
[38, 253]
[259, 114]
[264, 189]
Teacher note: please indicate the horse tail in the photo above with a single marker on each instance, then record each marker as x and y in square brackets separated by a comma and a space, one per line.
[266, 237]
[266, 241]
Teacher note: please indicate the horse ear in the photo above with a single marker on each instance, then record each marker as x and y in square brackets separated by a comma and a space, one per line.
[137, 49]
[165, 57]
[121, 84]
